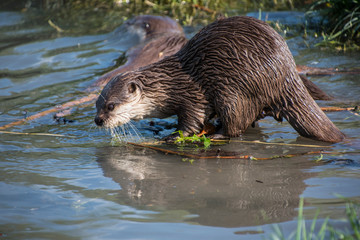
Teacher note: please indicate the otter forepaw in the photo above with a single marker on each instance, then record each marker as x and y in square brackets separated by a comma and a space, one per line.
[219, 136]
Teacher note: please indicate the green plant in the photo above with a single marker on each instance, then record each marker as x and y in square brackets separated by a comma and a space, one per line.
[192, 139]
[352, 213]
[326, 231]
[190, 160]
[340, 21]
[114, 12]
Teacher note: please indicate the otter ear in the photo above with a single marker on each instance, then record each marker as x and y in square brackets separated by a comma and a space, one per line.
[132, 87]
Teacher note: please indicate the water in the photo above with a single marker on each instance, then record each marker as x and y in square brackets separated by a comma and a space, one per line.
[81, 186]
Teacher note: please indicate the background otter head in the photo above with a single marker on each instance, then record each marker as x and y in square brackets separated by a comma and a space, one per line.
[147, 26]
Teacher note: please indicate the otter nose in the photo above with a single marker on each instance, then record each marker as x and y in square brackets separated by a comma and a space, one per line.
[99, 121]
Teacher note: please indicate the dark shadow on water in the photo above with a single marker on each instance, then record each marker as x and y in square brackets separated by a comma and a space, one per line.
[224, 193]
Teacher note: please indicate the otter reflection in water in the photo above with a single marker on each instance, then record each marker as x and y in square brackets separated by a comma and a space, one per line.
[226, 193]
[239, 69]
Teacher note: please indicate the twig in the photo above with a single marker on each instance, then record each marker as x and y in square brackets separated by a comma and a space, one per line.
[205, 9]
[314, 71]
[252, 142]
[217, 156]
[151, 4]
[55, 26]
[163, 150]
[271, 143]
[337, 109]
[37, 134]
[293, 155]
[88, 98]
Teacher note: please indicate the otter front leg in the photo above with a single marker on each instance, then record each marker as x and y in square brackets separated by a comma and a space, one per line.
[189, 122]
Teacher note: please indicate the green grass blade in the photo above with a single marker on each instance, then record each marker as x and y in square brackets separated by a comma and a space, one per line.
[312, 228]
[322, 232]
[353, 219]
[300, 219]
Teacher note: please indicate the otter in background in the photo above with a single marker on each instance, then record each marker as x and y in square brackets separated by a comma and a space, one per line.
[159, 37]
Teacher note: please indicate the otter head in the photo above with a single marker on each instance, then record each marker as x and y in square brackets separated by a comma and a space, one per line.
[147, 26]
[120, 101]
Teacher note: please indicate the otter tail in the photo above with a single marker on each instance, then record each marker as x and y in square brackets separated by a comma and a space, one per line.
[305, 116]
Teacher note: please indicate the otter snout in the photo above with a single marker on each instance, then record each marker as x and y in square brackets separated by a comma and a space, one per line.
[99, 121]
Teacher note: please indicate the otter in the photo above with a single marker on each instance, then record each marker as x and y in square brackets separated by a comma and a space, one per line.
[239, 69]
[159, 37]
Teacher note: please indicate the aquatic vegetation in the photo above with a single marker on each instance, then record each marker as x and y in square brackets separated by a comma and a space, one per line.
[195, 139]
[76, 17]
[326, 231]
[340, 23]
[190, 160]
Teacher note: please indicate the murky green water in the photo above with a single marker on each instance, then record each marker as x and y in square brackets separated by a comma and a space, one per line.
[79, 186]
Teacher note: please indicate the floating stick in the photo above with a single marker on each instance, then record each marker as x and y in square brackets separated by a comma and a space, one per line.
[218, 156]
[314, 71]
[270, 143]
[88, 98]
[338, 109]
[37, 134]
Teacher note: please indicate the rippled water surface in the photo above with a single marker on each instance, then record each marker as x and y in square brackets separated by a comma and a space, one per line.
[80, 186]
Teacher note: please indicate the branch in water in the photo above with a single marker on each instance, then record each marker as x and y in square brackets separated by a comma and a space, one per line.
[314, 71]
[234, 156]
[88, 98]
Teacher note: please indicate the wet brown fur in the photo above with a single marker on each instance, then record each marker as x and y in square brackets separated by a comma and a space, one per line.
[237, 68]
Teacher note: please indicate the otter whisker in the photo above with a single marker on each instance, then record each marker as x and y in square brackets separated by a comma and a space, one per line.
[139, 137]
[117, 135]
[130, 136]
[126, 133]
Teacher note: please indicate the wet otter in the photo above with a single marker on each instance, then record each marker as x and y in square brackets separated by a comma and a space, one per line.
[159, 37]
[237, 68]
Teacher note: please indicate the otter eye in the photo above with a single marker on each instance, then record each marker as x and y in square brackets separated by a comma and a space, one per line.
[146, 25]
[110, 106]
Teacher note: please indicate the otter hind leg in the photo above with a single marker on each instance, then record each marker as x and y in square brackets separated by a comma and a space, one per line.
[305, 116]
[236, 116]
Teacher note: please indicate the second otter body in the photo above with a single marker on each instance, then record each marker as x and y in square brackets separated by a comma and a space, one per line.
[159, 37]
[237, 68]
